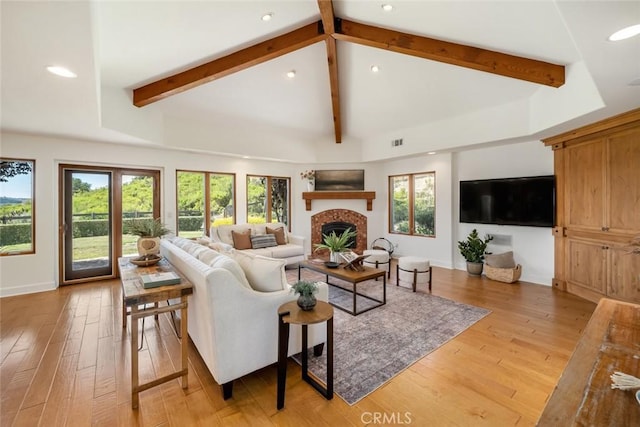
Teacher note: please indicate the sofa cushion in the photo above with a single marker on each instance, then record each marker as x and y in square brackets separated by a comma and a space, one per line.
[504, 260]
[190, 246]
[264, 274]
[287, 251]
[241, 240]
[279, 233]
[263, 241]
[217, 260]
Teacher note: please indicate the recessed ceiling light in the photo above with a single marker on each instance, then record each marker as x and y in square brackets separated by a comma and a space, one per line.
[291, 74]
[431, 153]
[267, 16]
[61, 71]
[375, 68]
[387, 7]
[625, 33]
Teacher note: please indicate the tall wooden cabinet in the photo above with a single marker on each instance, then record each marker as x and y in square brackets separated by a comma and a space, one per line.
[597, 170]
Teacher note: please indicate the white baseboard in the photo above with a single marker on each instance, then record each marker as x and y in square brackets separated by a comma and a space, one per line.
[27, 289]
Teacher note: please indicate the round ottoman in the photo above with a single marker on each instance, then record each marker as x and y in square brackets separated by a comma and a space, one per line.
[376, 257]
[413, 269]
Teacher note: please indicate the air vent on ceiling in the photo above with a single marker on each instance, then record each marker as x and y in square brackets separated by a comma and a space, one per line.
[396, 142]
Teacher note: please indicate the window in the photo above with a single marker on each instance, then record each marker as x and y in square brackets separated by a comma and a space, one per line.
[412, 204]
[268, 199]
[203, 195]
[17, 202]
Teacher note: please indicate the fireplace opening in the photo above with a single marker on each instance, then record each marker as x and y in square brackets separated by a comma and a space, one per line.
[340, 227]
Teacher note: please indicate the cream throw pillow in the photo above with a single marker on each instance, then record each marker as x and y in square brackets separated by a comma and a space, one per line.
[264, 274]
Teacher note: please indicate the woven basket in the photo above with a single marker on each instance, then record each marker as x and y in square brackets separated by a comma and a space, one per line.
[508, 275]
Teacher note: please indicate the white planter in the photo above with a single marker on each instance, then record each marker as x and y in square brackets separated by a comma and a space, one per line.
[335, 257]
[310, 186]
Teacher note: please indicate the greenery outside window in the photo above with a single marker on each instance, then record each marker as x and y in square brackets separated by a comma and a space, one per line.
[203, 195]
[412, 206]
[268, 199]
[17, 206]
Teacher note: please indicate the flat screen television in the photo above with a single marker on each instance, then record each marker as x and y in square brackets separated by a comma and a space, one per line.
[528, 201]
[339, 180]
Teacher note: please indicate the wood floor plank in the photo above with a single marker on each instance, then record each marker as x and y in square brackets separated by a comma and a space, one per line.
[11, 399]
[59, 398]
[69, 364]
[105, 368]
[28, 417]
[43, 378]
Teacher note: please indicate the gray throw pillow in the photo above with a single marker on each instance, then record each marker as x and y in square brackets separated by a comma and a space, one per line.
[263, 241]
[504, 260]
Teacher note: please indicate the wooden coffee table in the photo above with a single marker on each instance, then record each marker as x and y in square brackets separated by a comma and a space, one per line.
[353, 277]
[135, 295]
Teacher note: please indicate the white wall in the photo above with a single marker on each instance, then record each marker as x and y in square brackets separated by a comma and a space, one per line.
[33, 273]
[374, 180]
[532, 246]
[437, 249]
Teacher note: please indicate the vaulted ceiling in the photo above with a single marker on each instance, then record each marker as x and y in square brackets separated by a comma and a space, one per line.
[211, 75]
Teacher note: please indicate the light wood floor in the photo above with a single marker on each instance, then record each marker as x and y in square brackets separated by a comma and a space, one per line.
[65, 361]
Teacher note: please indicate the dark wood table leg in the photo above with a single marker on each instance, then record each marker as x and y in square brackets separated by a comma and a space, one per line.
[329, 394]
[384, 289]
[355, 294]
[304, 354]
[283, 349]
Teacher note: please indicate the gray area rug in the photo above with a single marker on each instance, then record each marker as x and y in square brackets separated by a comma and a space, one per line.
[373, 347]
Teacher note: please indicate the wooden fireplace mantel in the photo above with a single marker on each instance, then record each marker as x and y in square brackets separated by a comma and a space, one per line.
[308, 196]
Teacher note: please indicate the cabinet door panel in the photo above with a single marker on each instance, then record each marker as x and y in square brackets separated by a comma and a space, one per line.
[586, 264]
[584, 189]
[624, 275]
[624, 181]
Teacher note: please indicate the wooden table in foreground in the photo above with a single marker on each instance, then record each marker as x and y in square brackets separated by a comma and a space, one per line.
[583, 396]
[353, 277]
[135, 295]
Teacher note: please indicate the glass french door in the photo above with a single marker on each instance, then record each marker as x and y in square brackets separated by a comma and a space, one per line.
[96, 204]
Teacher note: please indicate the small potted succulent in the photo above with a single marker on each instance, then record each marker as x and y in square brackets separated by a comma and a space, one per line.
[306, 290]
[336, 243]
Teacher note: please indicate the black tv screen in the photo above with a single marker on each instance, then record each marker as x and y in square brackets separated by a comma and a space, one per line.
[529, 201]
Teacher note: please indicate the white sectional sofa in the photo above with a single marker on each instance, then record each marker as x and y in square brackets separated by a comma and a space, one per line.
[291, 249]
[233, 312]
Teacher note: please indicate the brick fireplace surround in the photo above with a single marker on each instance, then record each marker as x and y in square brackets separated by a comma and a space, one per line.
[346, 215]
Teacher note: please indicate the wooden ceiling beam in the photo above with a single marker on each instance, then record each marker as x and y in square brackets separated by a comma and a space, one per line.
[332, 58]
[452, 53]
[327, 16]
[328, 21]
[232, 63]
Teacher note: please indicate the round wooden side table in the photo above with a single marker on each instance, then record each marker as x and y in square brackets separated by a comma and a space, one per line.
[288, 314]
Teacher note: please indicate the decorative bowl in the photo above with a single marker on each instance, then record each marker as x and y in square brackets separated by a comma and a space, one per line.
[638, 396]
[331, 264]
[146, 260]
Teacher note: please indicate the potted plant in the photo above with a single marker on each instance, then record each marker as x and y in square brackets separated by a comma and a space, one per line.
[336, 243]
[149, 232]
[473, 250]
[306, 290]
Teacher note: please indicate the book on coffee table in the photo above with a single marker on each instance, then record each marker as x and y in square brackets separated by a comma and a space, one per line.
[354, 261]
[159, 279]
